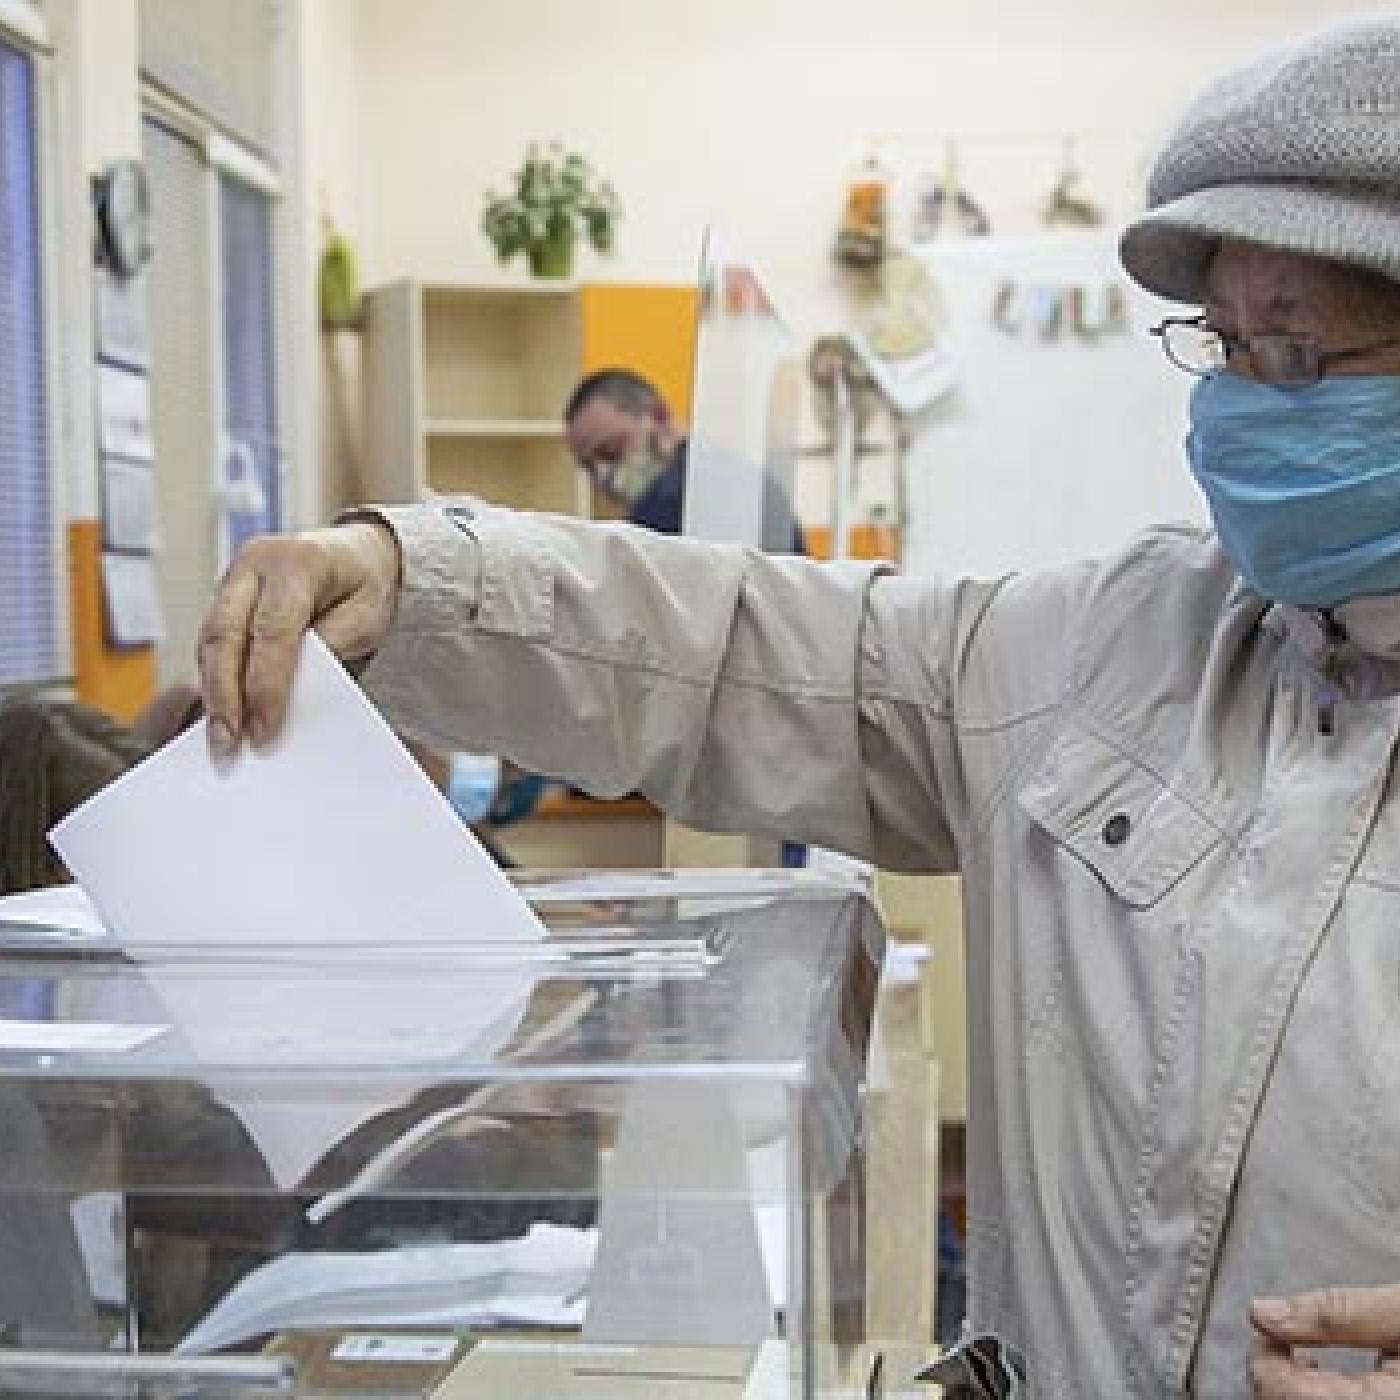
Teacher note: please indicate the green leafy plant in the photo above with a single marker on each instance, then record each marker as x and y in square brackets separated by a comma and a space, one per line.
[556, 197]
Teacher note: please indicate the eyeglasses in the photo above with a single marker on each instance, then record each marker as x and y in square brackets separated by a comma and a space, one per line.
[1192, 344]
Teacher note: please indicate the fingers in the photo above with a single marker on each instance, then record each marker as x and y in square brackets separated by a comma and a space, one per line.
[344, 580]
[284, 609]
[1357, 1317]
[222, 648]
[1346, 1317]
[1275, 1377]
[251, 637]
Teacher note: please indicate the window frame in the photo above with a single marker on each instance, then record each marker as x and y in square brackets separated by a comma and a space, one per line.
[224, 155]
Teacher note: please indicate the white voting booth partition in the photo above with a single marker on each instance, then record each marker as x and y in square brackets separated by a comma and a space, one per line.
[746, 401]
[746, 407]
[1064, 432]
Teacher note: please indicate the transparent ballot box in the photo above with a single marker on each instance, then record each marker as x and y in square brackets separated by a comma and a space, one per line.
[629, 1158]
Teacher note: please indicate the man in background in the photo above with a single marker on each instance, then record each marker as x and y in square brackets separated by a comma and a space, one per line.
[624, 438]
[623, 435]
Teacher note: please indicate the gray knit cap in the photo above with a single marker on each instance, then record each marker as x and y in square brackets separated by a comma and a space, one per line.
[1299, 150]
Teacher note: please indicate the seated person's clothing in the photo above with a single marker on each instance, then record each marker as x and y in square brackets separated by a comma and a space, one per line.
[54, 754]
[487, 793]
[661, 506]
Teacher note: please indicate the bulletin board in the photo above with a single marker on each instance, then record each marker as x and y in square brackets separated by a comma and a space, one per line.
[1055, 444]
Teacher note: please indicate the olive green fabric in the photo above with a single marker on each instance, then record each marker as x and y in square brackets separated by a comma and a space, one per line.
[54, 754]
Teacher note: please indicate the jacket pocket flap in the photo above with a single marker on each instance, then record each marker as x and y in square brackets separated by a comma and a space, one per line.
[1118, 817]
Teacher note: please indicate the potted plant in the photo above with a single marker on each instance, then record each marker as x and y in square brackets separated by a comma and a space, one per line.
[556, 197]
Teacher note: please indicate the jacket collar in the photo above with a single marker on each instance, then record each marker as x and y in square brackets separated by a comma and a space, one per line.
[1352, 650]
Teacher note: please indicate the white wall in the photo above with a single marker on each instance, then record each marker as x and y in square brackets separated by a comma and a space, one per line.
[750, 113]
[754, 111]
[335, 190]
[1051, 448]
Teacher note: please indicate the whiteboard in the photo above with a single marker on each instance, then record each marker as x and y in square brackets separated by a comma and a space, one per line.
[1047, 450]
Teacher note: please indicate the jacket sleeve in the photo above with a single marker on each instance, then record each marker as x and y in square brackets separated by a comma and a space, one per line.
[739, 691]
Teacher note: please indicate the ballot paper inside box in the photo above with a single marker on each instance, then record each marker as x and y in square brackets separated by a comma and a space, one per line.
[643, 1130]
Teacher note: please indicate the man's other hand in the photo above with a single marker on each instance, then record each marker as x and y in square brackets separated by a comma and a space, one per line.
[343, 581]
[1365, 1318]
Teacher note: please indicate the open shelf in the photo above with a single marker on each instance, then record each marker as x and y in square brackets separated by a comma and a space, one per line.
[466, 386]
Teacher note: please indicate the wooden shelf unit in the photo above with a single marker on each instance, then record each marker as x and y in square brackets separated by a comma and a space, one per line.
[465, 384]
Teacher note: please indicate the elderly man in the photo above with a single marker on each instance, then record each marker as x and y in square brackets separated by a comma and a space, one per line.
[1164, 776]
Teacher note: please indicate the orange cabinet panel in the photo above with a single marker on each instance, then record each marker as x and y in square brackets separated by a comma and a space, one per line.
[646, 327]
[119, 680]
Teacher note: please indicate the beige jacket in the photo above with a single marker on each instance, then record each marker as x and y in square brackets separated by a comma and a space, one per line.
[1172, 810]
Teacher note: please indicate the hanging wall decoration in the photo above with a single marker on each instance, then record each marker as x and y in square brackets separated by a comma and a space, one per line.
[945, 208]
[338, 281]
[1066, 206]
[861, 236]
[1050, 311]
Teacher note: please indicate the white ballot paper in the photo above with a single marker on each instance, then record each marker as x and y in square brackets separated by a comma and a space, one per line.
[538, 1279]
[52, 911]
[332, 837]
[334, 834]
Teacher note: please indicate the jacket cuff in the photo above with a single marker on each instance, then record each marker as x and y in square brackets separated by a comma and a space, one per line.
[440, 562]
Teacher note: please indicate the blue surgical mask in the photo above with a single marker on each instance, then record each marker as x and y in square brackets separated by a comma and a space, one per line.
[1303, 482]
[472, 781]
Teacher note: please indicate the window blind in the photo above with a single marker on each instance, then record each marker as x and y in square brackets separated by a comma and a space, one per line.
[29, 633]
[250, 370]
[182, 399]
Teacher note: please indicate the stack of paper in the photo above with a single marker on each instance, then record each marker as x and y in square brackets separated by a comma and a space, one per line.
[538, 1279]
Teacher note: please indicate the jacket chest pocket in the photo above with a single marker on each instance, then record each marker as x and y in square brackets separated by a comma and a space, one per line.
[1106, 904]
[1118, 818]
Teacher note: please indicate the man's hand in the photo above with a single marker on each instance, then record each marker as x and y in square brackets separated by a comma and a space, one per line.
[1368, 1318]
[343, 581]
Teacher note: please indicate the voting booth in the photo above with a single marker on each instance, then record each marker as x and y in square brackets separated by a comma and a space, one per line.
[626, 1158]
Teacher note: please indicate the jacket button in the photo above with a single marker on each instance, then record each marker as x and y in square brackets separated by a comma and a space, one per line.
[1116, 829]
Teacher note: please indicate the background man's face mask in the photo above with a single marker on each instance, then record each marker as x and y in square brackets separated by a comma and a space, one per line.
[473, 780]
[1303, 483]
[630, 478]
